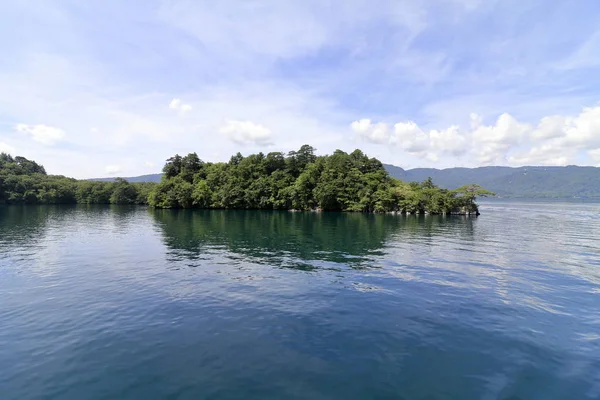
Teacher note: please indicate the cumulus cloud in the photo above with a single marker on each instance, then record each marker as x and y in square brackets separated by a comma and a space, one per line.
[113, 169]
[246, 132]
[178, 105]
[554, 140]
[544, 154]
[149, 164]
[558, 139]
[551, 127]
[6, 148]
[449, 140]
[491, 143]
[584, 130]
[374, 133]
[47, 135]
[411, 138]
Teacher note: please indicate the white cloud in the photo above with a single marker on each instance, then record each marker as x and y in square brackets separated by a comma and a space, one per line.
[545, 154]
[410, 137]
[47, 135]
[374, 133]
[554, 140]
[6, 148]
[492, 142]
[551, 127]
[558, 139]
[583, 131]
[177, 105]
[246, 132]
[113, 169]
[149, 164]
[506, 130]
[595, 155]
[449, 140]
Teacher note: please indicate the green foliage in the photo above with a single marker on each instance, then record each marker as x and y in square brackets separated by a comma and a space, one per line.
[123, 192]
[299, 180]
[25, 182]
[172, 193]
[303, 181]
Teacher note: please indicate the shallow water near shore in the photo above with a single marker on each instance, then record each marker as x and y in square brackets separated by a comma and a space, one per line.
[134, 303]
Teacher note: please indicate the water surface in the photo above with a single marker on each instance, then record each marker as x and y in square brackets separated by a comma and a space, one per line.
[131, 303]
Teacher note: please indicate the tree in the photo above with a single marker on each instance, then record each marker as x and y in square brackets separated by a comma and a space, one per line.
[428, 184]
[123, 193]
[173, 166]
[467, 195]
[190, 166]
[273, 162]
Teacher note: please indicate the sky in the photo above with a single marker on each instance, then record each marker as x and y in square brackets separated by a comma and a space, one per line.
[114, 88]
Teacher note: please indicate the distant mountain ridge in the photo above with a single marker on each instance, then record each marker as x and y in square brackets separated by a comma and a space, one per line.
[542, 182]
[142, 178]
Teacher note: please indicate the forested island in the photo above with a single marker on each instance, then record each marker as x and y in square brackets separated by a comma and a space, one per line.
[299, 180]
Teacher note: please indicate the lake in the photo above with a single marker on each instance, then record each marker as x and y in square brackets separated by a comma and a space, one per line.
[134, 303]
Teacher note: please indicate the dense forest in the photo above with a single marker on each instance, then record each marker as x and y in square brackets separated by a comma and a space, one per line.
[299, 180]
[25, 182]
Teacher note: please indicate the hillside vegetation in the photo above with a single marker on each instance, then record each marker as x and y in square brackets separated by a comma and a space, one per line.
[25, 182]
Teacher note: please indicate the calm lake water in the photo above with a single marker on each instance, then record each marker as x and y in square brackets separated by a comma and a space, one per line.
[131, 303]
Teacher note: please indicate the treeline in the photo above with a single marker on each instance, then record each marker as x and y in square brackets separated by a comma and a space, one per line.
[301, 180]
[25, 182]
[298, 180]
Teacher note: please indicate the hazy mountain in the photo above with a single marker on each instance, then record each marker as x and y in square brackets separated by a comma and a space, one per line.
[570, 181]
[141, 178]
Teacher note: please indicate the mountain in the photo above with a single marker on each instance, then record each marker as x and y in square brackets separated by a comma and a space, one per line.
[141, 178]
[544, 182]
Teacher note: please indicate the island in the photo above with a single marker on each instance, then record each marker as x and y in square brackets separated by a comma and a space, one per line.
[297, 181]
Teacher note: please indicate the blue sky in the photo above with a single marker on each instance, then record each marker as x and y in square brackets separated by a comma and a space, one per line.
[100, 88]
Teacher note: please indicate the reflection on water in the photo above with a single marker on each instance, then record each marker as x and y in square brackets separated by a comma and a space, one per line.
[277, 238]
[127, 302]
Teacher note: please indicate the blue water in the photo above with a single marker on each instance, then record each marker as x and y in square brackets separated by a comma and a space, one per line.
[131, 303]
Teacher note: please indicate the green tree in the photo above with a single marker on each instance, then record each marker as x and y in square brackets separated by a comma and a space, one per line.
[123, 193]
[173, 166]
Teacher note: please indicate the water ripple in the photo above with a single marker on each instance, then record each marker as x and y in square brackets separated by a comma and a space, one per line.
[125, 302]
